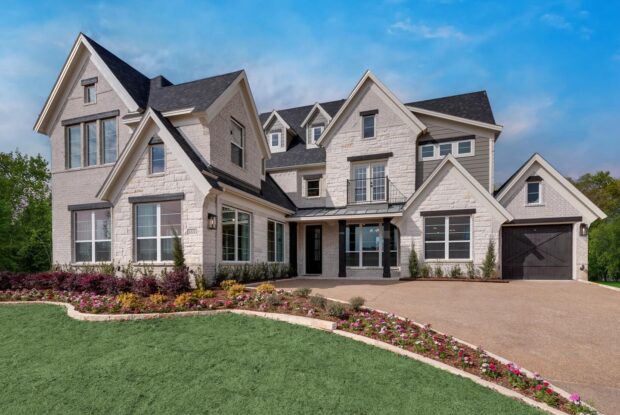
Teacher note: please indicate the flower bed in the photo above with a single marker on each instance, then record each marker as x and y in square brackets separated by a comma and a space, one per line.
[380, 326]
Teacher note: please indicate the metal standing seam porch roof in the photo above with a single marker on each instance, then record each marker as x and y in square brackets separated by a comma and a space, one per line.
[348, 211]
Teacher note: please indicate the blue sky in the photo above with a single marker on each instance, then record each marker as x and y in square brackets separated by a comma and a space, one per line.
[552, 69]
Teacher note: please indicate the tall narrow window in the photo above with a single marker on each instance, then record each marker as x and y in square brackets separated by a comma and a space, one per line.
[108, 136]
[91, 143]
[93, 235]
[275, 241]
[90, 94]
[74, 146]
[275, 138]
[237, 144]
[156, 226]
[533, 193]
[368, 126]
[235, 235]
[157, 158]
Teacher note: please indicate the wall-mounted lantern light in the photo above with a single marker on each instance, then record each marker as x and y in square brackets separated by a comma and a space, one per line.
[212, 221]
[583, 229]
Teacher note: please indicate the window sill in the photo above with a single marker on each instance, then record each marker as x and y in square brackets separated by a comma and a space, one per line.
[163, 173]
[534, 204]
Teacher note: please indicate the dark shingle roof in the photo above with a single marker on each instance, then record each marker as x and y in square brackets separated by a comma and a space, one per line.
[269, 190]
[474, 106]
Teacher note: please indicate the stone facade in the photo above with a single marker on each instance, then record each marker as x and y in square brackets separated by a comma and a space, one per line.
[292, 183]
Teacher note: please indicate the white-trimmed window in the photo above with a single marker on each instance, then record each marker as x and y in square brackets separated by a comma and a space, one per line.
[534, 194]
[157, 158]
[235, 235]
[157, 224]
[93, 235]
[237, 143]
[90, 93]
[275, 138]
[436, 151]
[275, 241]
[312, 187]
[364, 245]
[368, 126]
[315, 132]
[447, 237]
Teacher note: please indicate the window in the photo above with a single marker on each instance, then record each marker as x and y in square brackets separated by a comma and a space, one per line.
[368, 126]
[436, 151]
[369, 183]
[364, 245]
[235, 235]
[275, 241]
[90, 94]
[74, 147]
[316, 132]
[93, 235]
[533, 193]
[447, 237]
[158, 158]
[313, 187]
[108, 135]
[91, 143]
[275, 138]
[236, 143]
[156, 226]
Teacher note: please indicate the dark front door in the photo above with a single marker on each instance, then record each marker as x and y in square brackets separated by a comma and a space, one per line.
[537, 252]
[314, 256]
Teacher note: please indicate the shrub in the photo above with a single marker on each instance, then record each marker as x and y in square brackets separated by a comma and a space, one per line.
[5, 280]
[438, 272]
[235, 290]
[157, 298]
[185, 299]
[456, 271]
[177, 253]
[203, 294]
[414, 266]
[357, 303]
[199, 278]
[302, 292]
[489, 264]
[128, 300]
[145, 286]
[337, 310]
[604, 249]
[226, 284]
[265, 288]
[425, 271]
[471, 270]
[259, 271]
[175, 283]
[318, 301]
[273, 300]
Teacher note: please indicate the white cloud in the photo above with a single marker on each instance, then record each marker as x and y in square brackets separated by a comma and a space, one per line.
[556, 21]
[523, 117]
[427, 32]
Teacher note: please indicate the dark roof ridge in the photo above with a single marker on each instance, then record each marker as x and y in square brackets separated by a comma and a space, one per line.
[482, 91]
[304, 106]
[207, 78]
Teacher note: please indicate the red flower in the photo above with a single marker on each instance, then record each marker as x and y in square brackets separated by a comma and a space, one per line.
[538, 387]
[549, 391]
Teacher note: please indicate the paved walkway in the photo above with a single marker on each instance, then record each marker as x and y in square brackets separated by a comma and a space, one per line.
[566, 330]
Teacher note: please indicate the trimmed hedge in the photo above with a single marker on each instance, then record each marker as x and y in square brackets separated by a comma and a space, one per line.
[258, 271]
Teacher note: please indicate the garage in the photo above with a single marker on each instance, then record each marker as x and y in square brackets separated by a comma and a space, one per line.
[537, 252]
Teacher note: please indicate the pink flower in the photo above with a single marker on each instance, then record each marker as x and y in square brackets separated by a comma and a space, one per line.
[575, 398]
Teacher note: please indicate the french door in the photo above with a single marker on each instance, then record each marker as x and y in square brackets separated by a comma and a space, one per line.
[370, 182]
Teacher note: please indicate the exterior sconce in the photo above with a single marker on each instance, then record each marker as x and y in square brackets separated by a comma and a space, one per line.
[583, 229]
[211, 221]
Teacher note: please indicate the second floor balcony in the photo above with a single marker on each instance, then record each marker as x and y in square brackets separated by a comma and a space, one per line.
[373, 190]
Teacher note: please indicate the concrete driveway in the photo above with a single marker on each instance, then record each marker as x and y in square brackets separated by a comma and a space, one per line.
[565, 330]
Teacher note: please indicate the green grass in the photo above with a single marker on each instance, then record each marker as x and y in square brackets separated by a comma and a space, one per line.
[610, 283]
[225, 364]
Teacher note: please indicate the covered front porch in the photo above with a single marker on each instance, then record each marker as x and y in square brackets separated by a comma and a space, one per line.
[355, 243]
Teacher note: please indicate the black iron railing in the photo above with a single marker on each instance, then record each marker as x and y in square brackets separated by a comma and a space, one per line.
[373, 190]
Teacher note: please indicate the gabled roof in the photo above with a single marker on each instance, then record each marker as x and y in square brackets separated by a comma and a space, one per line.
[316, 107]
[473, 105]
[451, 160]
[274, 114]
[570, 188]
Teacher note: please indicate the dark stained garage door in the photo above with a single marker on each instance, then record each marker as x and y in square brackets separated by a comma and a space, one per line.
[537, 252]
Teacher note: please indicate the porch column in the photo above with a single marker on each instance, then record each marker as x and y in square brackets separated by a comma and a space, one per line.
[342, 264]
[292, 247]
[386, 247]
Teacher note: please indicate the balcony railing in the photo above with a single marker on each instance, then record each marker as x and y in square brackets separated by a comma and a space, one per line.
[373, 190]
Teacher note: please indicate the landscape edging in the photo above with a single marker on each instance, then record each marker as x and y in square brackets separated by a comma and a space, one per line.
[310, 322]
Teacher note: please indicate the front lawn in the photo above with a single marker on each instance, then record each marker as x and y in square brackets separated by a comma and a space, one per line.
[224, 364]
[609, 283]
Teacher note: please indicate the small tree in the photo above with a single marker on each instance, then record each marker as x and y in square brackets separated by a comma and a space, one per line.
[177, 253]
[490, 262]
[414, 265]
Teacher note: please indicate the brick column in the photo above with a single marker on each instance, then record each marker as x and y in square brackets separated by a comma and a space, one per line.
[292, 247]
[386, 247]
[342, 260]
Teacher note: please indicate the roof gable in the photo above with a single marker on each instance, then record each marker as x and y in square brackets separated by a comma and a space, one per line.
[274, 115]
[316, 107]
[473, 106]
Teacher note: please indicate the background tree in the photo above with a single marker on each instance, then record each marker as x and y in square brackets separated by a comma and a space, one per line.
[602, 189]
[25, 213]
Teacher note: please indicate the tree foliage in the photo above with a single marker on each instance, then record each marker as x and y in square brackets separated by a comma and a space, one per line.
[25, 213]
[602, 189]
[489, 265]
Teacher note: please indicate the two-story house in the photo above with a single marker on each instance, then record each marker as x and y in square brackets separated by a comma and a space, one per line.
[337, 189]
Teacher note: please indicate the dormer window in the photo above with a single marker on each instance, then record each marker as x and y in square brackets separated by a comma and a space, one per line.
[275, 138]
[157, 156]
[90, 90]
[316, 131]
[368, 123]
[534, 185]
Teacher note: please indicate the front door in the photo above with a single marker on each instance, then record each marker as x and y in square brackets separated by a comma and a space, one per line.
[314, 256]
